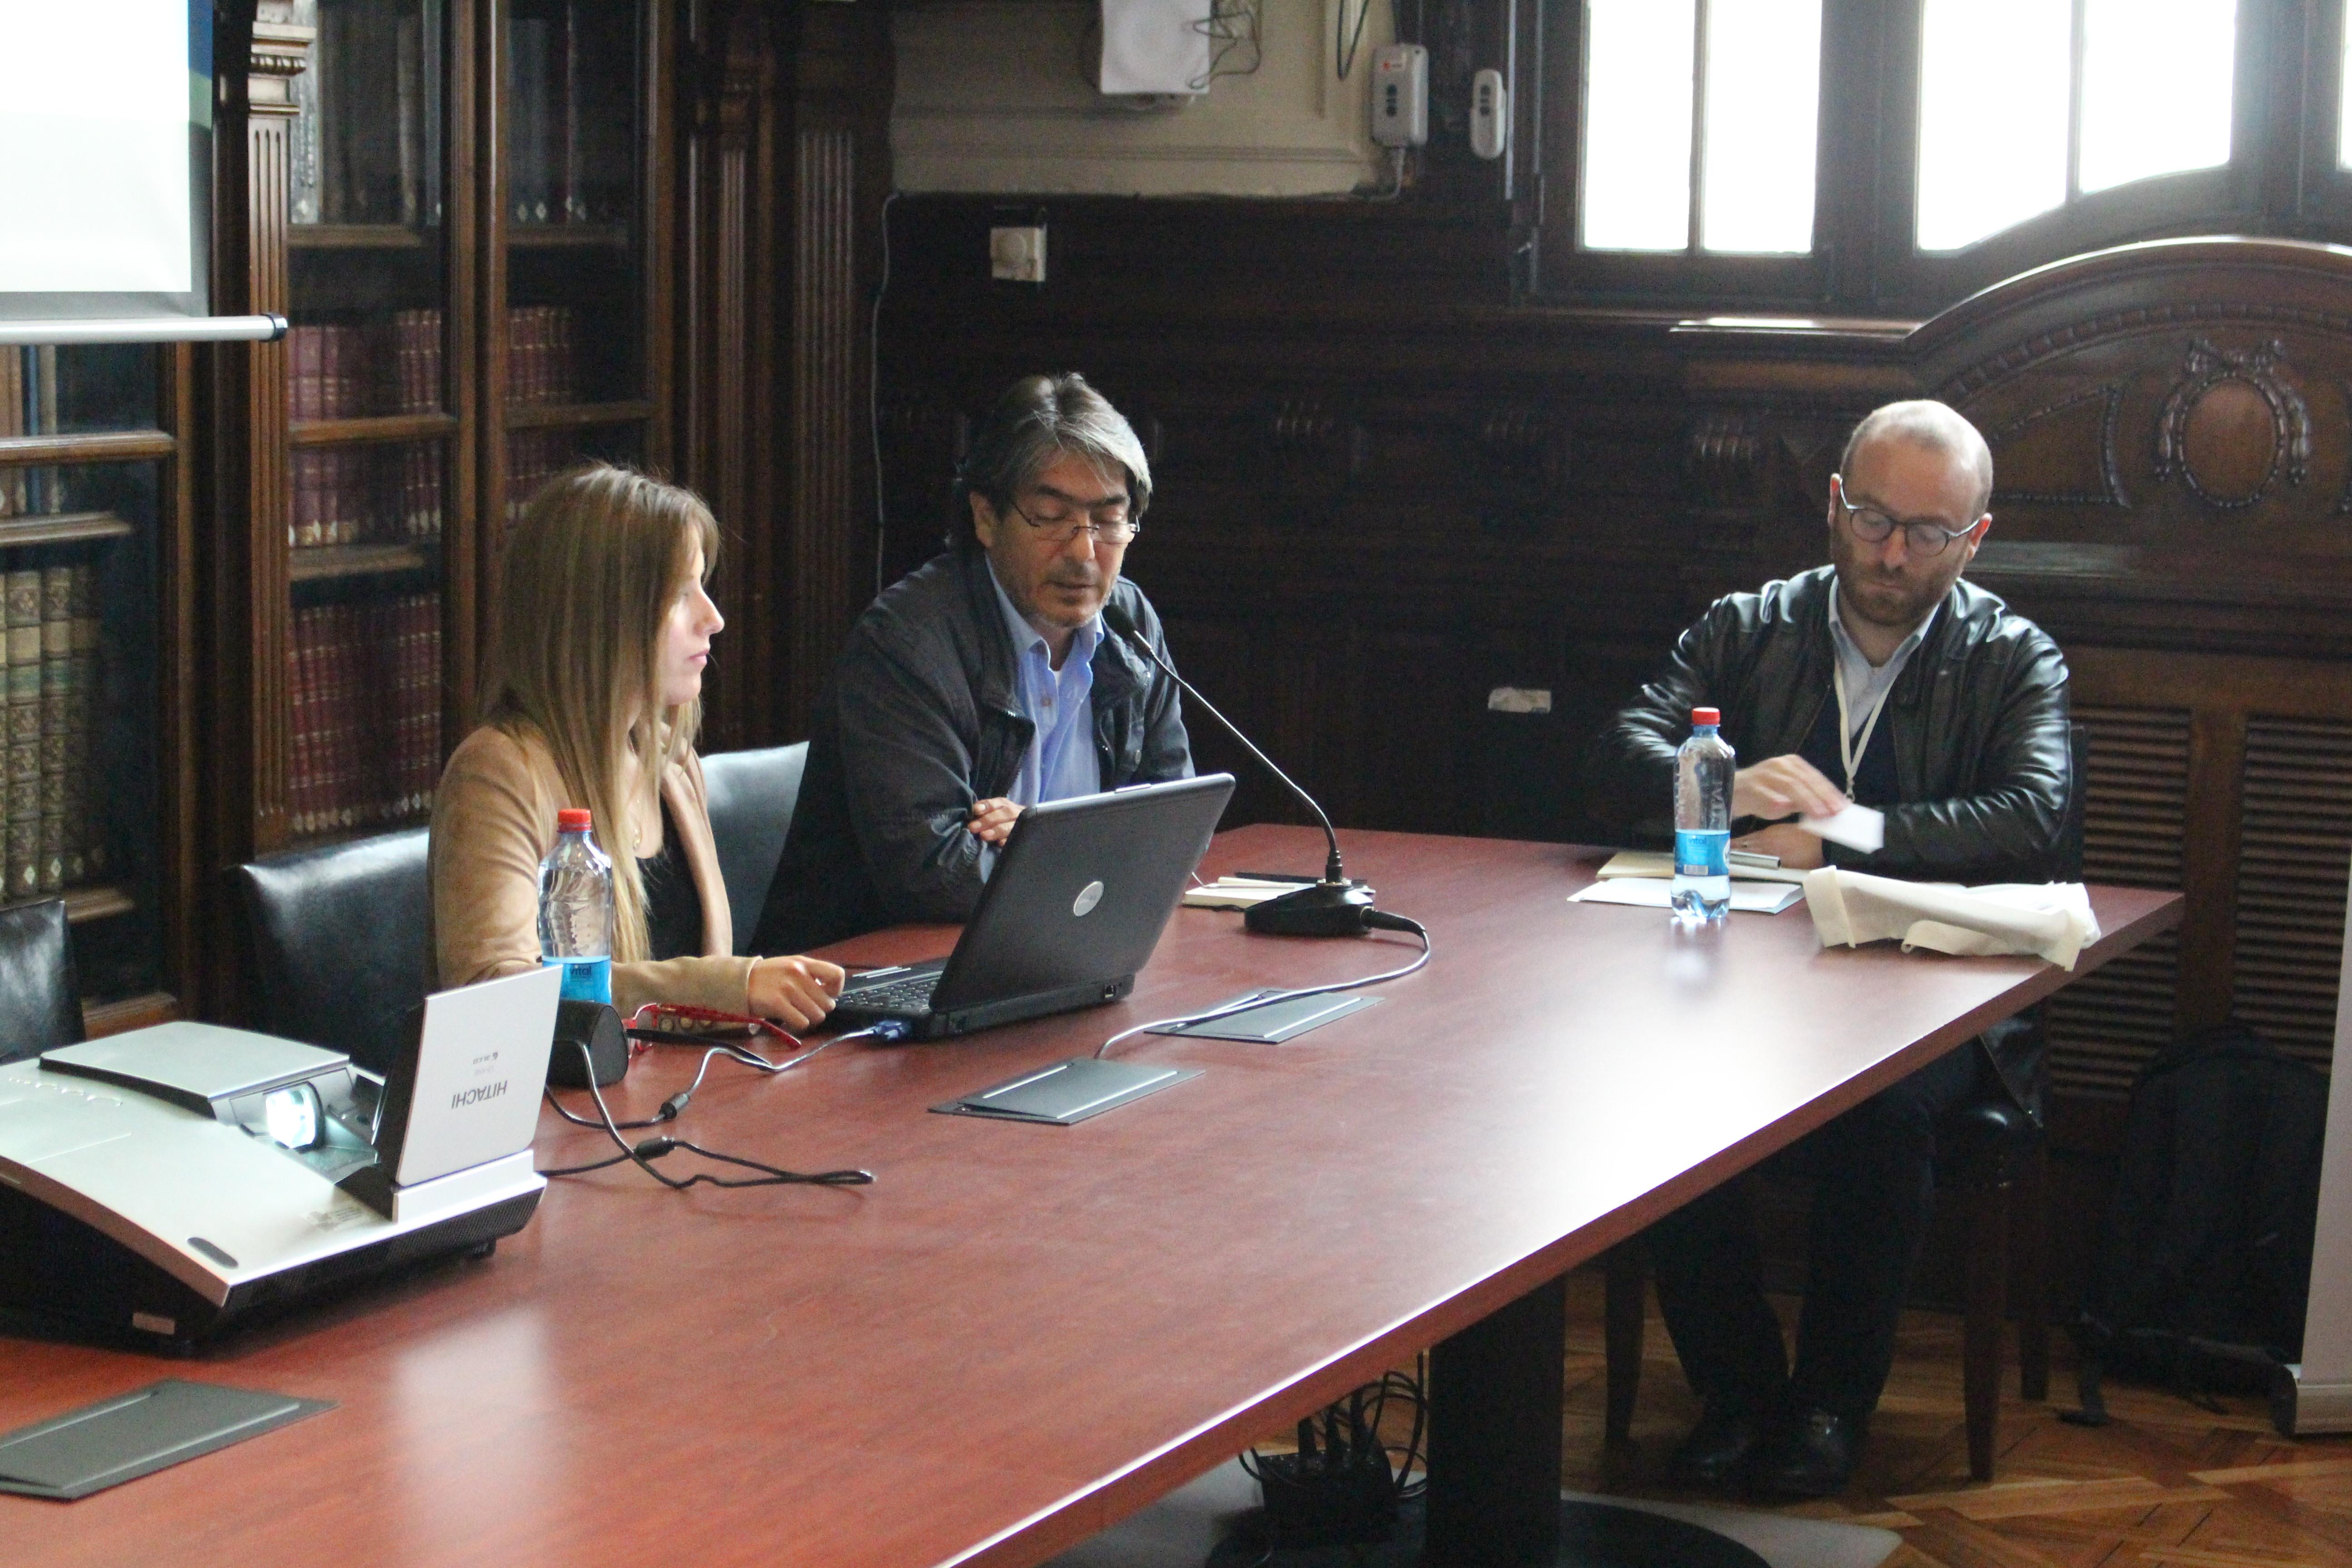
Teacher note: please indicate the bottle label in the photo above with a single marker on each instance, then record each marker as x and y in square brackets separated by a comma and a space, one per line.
[586, 979]
[1702, 852]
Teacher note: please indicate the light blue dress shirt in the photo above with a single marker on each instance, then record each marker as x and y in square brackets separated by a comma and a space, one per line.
[1061, 762]
[1867, 684]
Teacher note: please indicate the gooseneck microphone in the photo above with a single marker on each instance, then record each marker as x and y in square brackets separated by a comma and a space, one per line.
[1332, 907]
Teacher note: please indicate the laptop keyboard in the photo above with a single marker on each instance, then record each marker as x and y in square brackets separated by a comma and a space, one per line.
[910, 996]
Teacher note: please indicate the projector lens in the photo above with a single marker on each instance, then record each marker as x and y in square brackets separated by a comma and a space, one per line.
[291, 1116]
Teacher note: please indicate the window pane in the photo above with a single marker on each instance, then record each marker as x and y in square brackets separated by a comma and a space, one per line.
[1638, 56]
[1992, 116]
[2344, 108]
[2156, 87]
[1763, 109]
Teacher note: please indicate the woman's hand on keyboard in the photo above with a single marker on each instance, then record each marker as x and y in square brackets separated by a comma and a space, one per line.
[795, 992]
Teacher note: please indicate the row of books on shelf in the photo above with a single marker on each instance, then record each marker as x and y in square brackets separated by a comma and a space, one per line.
[28, 406]
[533, 458]
[366, 142]
[54, 836]
[367, 495]
[570, 85]
[542, 355]
[344, 370]
[347, 370]
[367, 684]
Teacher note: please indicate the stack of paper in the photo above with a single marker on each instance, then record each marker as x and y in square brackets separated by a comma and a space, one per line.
[1645, 880]
[1236, 892]
[1644, 893]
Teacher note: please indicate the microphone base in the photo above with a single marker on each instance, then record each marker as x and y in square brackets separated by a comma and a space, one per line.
[1319, 909]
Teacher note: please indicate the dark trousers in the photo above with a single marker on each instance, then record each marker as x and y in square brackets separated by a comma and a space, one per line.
[1876, 1172]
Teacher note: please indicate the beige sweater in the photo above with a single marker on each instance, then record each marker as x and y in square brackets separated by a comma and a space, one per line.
[494, 822]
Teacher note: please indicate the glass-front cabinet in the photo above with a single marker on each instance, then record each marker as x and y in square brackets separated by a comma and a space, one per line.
[468, 289]
[93, 541]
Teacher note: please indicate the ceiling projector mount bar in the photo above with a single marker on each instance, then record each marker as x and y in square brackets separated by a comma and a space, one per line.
[143, 330]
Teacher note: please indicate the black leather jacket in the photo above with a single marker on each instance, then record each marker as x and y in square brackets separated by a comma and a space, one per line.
[1978, 719]
[921, 720]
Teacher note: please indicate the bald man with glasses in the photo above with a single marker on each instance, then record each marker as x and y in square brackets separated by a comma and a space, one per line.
[984, 682]
[1887, 680]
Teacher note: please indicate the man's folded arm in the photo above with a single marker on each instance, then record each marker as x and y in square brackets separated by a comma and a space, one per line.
[2010, 827]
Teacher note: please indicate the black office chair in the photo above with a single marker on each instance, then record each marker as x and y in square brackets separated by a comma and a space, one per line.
[752, 795]
[339, 944]
[40, 1001]
[1995, 1159]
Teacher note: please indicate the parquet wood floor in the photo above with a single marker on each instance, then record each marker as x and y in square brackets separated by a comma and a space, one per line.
[2168, 1484]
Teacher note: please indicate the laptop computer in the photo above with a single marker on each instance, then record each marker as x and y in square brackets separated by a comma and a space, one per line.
[1077, 899]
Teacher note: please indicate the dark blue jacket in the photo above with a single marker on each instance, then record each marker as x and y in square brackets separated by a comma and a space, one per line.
[920, 720]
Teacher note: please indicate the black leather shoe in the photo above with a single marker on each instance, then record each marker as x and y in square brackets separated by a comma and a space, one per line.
[1809, 1453]
[1718, 1449]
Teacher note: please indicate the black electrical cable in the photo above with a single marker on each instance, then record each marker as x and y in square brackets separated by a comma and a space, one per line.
[1379, 918]
[1343, 45]
[644, 1153]
[887, 1029]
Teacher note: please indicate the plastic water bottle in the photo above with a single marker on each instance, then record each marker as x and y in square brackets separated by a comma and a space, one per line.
[575, 910]
[1703, 769]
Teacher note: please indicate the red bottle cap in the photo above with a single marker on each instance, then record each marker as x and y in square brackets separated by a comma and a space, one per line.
[1706, 716]
[574, 819]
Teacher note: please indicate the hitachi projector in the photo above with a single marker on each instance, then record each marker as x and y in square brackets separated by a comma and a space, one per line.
[165, 1184]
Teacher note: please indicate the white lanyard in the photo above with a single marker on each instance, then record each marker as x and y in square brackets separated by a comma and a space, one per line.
[1850, 750]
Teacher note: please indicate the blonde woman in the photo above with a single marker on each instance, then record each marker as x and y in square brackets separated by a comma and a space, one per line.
[591, 697]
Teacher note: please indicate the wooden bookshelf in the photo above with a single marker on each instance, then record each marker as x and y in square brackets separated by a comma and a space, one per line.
[97, 547]
[357, 237]
[366, 429]
[322, 563]
[96, 903]
[576, 416]
[570, 236]
[62, 527]
[678, 224]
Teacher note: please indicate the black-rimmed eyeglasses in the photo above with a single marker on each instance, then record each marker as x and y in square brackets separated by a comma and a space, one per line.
[1872, 526]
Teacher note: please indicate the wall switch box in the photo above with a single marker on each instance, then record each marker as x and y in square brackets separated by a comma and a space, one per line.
[1017, 255]
[1490, 114]
[1400, 95]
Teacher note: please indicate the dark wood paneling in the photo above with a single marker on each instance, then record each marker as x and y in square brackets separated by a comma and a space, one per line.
[1368, 513]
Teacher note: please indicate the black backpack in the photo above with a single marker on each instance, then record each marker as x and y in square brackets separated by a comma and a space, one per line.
[2205, 1260]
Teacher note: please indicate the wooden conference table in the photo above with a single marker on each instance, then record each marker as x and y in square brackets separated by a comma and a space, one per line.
[1019, 1334]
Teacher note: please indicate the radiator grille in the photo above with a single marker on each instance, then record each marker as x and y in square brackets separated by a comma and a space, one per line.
[2295, 846]
[2104, 1025]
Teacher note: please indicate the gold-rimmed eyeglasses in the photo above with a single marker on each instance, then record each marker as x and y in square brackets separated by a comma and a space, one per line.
[1922, 536]
[1059, 521]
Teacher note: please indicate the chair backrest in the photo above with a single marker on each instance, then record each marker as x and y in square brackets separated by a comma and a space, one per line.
[338, 943]
[40, 1001]
[2078, 792]
[752, 795]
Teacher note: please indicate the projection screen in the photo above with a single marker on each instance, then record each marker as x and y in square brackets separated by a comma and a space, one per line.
[105, 176]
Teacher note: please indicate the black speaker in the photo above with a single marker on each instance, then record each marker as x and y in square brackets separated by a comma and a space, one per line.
[598, 1026]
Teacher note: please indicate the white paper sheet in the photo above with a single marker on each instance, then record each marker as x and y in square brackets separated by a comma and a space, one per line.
[1858, 828]
[1644, 893]
[1155, 45]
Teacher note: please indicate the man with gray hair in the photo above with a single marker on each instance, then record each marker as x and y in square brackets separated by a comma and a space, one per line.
[1970, 765]
[984, 682]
